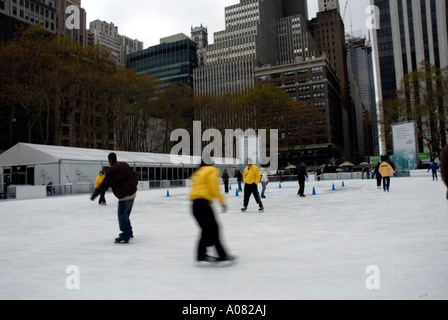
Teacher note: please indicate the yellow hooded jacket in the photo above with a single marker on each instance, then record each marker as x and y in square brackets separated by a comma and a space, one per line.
[252, 175]
[205, 185]
[385, 169]
[99, 180]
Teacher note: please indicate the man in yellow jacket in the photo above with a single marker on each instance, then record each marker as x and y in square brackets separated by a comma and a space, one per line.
[99, 180]
[385, 169]
[204, 189]
[251, 178]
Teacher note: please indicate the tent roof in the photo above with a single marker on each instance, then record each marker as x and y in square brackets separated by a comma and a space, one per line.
[29, 154]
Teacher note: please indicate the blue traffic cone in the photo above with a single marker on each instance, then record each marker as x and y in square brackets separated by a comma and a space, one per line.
[230, 187]
[167, 193]
[343, 185]
[314, 191]
[280, 185]
[237, 193]
[334, 189]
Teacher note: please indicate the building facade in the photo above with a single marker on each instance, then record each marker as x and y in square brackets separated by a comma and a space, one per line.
[325, 5]
[408, 33]
[14, 13]
[313, 83]
[249, 40]
[359, 54]
[173, 60]
[106, 35]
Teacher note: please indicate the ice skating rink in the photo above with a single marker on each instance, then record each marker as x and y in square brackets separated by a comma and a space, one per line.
[356, 242]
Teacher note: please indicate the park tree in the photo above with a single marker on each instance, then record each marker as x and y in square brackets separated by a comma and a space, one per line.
[423, 98]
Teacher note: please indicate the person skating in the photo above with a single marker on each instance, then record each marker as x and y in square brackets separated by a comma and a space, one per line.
[98, 181]
[239, 178]
[378, 176]
[251, 178]
[302, 175]
[433, 168]
[385, 169]
[264, 183]
[225, 179]
[123, 180]
[204, 189]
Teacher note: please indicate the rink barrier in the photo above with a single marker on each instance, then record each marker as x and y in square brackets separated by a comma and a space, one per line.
[40, 192]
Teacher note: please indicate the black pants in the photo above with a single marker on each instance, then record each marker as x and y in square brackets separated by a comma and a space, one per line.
[226, 186]
[250, 189]
[386, 183]
[205, 217]
[378, 180]
[301, 187]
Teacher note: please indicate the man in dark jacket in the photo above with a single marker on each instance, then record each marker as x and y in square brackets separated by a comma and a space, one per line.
[302, 175]
[123, 180]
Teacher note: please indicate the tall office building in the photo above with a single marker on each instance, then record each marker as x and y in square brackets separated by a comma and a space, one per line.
[359, 54]
[294, 8]
[409, 32]
[328, 30]
[173, 60]
[250, 40]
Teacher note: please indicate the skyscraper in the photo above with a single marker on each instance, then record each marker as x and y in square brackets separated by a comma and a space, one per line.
[409, 32]
[173, 60]
[359, 54]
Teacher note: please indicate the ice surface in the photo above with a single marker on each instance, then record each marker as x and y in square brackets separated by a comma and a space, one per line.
[317, 247]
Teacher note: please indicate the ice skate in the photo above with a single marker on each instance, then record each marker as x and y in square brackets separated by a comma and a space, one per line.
[244, 209]
[228, 261]
[120, 240]
[207, 261]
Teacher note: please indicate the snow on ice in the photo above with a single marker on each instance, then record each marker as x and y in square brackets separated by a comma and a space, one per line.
[356, 242]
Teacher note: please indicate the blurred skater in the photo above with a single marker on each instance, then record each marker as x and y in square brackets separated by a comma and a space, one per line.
[385, 170]
[204, 189]
[264, 183]
[377, 174]
[239, 178]
[302, 175]
[225, 179]
[433, 168]
[98, 181]
[251, 178]
[123, 180]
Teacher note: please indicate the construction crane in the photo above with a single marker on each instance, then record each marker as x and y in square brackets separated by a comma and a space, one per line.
[343, 18]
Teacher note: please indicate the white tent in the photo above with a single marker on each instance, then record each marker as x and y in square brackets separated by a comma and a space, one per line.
[40, 164]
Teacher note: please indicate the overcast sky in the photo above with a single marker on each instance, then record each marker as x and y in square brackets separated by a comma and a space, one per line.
[150, 20]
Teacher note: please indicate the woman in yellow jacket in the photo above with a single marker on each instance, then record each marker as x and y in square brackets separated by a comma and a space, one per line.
[204, 189]
[385, 169]
[99, 180]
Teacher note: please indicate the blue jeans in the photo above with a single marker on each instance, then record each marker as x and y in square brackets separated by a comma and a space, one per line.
[124, 211]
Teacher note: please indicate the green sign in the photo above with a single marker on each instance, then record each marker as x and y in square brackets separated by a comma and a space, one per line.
[375, 159]
[425, 158]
